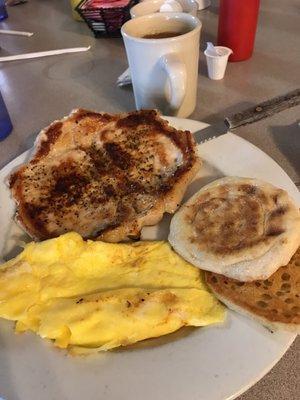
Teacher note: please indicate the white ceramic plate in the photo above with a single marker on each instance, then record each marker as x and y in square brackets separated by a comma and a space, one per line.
[213, 363]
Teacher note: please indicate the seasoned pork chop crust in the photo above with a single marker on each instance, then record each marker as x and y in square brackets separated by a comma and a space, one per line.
[103, 176]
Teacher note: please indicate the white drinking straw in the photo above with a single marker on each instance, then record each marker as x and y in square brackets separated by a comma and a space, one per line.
[18, 33]
[43, 54]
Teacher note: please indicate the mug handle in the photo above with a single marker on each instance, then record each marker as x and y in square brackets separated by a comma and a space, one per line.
[176, 71]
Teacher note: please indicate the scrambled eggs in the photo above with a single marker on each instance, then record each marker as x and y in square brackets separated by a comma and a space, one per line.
[88, 295]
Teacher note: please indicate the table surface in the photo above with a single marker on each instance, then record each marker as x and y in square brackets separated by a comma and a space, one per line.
[38, 91]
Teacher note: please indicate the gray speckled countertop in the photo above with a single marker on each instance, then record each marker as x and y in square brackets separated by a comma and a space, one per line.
[37, 92]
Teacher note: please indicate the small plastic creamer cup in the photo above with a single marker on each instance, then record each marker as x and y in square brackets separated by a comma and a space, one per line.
[216, 64]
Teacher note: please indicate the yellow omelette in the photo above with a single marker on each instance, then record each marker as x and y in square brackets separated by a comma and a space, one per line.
[87, 295]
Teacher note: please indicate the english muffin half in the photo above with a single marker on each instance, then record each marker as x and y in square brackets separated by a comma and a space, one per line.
[274, 302]
[239, 227]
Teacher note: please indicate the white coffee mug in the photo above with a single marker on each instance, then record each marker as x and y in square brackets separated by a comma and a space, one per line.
[164, 71]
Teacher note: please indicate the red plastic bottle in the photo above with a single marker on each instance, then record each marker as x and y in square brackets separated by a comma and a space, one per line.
[237, 27]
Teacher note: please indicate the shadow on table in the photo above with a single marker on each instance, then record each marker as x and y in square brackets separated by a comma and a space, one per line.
[78, 27]
[67, 22]
[270, 17]
[287, 139]
[279, 64]
[120, 98]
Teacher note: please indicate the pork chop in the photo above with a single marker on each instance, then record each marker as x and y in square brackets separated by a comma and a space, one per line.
[104, 176]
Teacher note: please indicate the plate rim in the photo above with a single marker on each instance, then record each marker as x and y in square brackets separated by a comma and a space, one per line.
[14, 163]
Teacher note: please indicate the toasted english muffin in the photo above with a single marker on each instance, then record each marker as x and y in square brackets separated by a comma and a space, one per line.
[274, 302]
[239, 227]
[103, 176]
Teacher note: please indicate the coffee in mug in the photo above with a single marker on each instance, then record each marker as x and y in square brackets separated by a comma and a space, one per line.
[163, 35]
[163, 62]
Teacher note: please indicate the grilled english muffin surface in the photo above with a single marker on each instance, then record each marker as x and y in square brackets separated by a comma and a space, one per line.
[275, 302]
[239, 227]
[104, 176]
